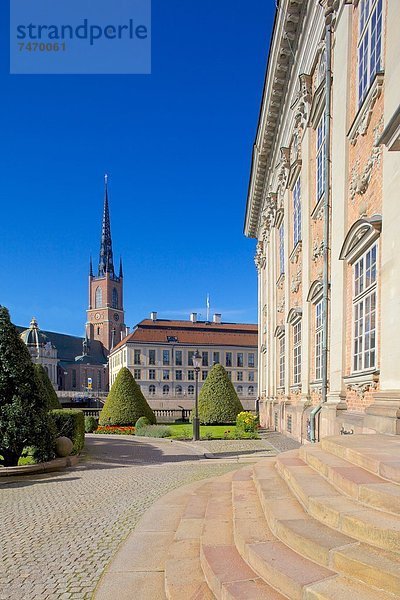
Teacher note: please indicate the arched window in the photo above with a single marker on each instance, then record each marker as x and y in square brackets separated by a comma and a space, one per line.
[98, 331]
[191, 390]
[240, 390]
[165, 390]
[152, 390]
[251, 390]
[179, 390]
[114, 298]
[99, 297]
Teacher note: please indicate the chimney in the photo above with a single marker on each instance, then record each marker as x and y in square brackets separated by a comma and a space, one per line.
[153, 316]
[128, 330]
[217, 318]
[193, 317]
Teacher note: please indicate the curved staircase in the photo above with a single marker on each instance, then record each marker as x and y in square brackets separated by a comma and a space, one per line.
[321, 522]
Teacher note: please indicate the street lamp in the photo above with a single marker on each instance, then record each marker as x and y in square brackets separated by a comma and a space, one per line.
[197, 361]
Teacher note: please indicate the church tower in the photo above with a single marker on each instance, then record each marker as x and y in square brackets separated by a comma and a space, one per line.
[105, 315]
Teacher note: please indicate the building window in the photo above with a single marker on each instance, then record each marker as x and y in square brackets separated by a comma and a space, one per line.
[297, 353]
[228, 359]
[369, 45]
[152, 374]
[251, 376]
[204, 375]
[178, 375]
[165, 357]
[190, 358]
[318, 340]
[240, 359]
[191, 390]
[152, 390]
[136, 357]
[152, 357]
[99, 380]
[297, 212]
[165, 390]
[137, 374]
[251, 390]
[178, 358]
[216, 358]
[229, 373]
[250, 361]
[73, 378]
[240, 390]
[281, 249]
[165, 374]
[204, 359]
[281, 342]
[191, 375]
[321, 152]
[364, 300]
[114, 298]
[99, 297]
[289, 423]
[178, 390]
[239, 375]
[98, 331]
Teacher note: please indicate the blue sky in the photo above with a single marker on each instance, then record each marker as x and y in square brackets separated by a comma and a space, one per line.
[177, 145]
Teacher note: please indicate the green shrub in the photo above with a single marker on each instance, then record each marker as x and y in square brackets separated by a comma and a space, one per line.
[218, 401]
[142, 422]
[46, 388]
[246, 422]
[91, 424]
[71, 423]
[157, 431]
[125, 402]
[23, 416]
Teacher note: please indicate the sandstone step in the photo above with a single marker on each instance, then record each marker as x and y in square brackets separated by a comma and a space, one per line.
[226, 572]
[354, 481]
[183, 556]
[325, 503]
[315, 540]
[272, 560]
[341, 588]
[379, 454]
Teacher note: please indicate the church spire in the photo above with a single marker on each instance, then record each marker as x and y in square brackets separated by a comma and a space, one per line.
[120, 267]
[106, 264]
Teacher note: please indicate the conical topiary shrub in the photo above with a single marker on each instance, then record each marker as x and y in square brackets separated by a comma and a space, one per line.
[47, 391]
[125, 402]
[218, 400]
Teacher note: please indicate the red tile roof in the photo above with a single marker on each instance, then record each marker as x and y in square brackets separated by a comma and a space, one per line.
[193, 334]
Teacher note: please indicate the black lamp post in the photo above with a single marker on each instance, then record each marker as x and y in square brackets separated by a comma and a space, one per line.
[197, 361]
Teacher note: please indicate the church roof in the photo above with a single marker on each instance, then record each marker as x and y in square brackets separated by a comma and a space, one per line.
[33, 336]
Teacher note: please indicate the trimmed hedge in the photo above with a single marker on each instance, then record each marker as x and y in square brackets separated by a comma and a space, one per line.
[218, 400]
[125, 402]
[91, 424]
[46, 388]
[71, 423]
[142, 422]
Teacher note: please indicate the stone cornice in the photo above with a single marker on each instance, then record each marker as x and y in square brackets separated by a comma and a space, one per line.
[288, 25]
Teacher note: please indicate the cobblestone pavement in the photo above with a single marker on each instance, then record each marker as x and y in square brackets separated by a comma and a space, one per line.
[235, 448]
[279, 441]
[58, 531]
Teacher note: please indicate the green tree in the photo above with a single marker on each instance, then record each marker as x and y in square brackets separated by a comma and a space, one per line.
[24, 419]
[46, 388]
[125, 403]
[218, 400]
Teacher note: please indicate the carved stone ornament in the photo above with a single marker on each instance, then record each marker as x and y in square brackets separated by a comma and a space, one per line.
[269, 212]
[281, 306]
[362, 388]
[363, 118]
[296, 282]
[302, 103]
[283, 173]
[295, 255]
[317, 250]
[359, 182]
[259, 257]
[281, 282]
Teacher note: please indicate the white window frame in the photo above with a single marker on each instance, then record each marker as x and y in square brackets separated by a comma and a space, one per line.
[297, 352]
[369, 49]
[297, 212]
[282, 249]
[365, 310]
[282, 360]
[320, 156]
[319, 321]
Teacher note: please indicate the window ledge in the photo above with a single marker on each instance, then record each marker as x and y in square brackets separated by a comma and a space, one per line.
[363, 377]
[364, 113]
[295, 389]
[318, 210]
[280, 280]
